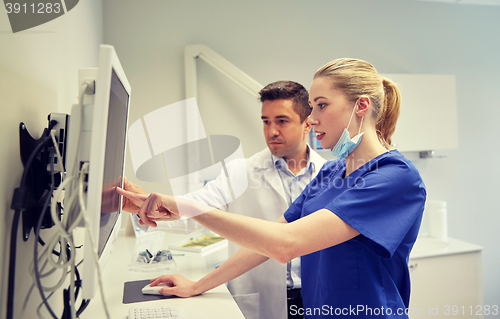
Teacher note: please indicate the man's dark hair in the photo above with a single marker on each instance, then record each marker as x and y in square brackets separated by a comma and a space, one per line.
[288, 90]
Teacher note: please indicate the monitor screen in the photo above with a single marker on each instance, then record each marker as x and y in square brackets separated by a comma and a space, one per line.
[99, 143]
[113, 159]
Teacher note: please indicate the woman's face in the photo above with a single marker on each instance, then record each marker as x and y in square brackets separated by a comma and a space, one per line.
[330, 113]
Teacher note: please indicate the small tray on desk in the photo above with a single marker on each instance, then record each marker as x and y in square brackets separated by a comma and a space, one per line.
[199, 243]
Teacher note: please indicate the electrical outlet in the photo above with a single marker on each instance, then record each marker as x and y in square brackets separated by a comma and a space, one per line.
[60, 130]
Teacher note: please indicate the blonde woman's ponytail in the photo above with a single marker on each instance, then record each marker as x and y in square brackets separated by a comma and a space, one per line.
[388, 113]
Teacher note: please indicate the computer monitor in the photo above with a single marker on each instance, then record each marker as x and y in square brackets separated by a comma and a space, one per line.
[102, 141]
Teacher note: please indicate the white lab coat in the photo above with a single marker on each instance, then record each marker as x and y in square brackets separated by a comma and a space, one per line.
[261, 292]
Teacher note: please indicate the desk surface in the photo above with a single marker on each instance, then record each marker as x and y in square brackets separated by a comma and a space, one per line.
[216, 303]
[426, 247]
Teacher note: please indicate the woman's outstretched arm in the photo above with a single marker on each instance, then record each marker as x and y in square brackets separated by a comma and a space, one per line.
[281, 241]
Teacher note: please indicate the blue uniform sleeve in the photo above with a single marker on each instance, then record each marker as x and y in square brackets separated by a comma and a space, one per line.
[382, 207]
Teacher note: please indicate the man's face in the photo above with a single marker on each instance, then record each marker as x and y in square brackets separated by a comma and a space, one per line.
[284, 133]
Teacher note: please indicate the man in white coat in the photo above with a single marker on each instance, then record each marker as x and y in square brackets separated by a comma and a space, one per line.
[276, 176]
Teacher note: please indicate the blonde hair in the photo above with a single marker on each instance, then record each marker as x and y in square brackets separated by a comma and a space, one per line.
[358, 78]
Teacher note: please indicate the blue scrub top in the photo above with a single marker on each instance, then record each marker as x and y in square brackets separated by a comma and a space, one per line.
[367, 276]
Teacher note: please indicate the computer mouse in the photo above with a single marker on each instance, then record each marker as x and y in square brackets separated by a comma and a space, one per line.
[148, 290]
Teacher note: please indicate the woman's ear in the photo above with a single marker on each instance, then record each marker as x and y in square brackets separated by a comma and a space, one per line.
[364, 105]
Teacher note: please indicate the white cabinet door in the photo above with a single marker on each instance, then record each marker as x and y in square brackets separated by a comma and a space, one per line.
[446, 286]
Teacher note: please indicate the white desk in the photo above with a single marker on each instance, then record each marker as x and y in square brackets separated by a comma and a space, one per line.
[216, 303]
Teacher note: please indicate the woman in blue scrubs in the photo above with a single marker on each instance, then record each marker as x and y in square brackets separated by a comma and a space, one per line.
[355, 223]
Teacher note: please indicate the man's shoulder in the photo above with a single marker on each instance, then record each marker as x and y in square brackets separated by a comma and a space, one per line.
[261, 159]
[315, 158]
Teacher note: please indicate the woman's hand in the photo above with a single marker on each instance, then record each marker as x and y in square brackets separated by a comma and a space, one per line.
[133, 205]
[176, 285]
[155, 207]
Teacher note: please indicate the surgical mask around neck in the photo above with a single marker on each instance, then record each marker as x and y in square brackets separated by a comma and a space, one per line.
[345, 145]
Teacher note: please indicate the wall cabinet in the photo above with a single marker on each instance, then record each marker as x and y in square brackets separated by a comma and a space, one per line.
[428, 119]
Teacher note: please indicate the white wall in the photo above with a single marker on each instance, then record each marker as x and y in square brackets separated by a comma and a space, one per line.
[270, 41]
[274, 40]
[38, 75]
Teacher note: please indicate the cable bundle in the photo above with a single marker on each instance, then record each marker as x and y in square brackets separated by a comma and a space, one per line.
[58, 255]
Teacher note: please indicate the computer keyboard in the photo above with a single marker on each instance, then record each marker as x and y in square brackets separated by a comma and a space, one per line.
[165, 312]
